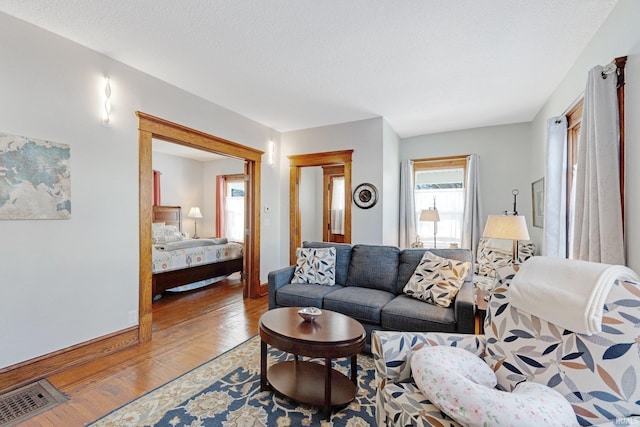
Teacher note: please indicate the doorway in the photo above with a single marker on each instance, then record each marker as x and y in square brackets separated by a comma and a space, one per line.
[153, 127]
[296, 163]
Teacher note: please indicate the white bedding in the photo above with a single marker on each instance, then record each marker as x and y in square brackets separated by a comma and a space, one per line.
[190, 243]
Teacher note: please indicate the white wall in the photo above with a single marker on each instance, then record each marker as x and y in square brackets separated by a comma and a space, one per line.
[390, 196]
[504, 162]
[311, 204]
[181, 185]
[365, 138]
[618, 36]
[69, 281]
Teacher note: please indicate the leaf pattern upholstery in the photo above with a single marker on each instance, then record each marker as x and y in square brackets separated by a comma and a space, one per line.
[599, 375]
[491, 256]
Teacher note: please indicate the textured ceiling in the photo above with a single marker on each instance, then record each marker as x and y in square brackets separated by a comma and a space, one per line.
[424, 65]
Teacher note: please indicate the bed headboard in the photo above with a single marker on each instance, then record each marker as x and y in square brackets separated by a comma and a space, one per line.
[170, 215]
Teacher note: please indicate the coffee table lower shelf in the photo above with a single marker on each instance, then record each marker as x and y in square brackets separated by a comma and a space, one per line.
[305, 382]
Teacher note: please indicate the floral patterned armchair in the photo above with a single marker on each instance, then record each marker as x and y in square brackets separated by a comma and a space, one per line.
[599, 375]
[493, 254]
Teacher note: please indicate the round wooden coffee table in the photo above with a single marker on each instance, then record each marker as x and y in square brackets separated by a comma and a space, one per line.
[331, 335]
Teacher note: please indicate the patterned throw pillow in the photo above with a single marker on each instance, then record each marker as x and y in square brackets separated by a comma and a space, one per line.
[437, 280]
[315, 265]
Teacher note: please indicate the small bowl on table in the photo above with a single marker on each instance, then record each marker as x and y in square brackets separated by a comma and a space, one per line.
[309, 314]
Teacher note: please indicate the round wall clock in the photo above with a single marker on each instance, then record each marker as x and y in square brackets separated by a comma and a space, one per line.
[365, 196]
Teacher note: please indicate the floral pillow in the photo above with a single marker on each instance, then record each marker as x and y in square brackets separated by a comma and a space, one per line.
[315, 265]
[462, 386]
[437, 280]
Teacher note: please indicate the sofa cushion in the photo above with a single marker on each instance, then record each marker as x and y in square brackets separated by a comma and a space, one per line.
[374, 267]
[315, 265]
[404, 313]
[343, 257]
[437, 280]
[362, 304]
[410, 258]
[303, 295]
[462, 386]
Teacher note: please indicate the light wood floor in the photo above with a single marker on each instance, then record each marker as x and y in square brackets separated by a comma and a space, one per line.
[188, 330]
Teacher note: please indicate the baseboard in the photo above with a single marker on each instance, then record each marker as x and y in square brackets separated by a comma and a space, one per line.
[23, 373]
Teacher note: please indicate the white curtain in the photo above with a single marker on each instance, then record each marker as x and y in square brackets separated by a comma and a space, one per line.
[407, 205]
[597, 220]
[555, 192]
[472, 217]
[337, 206]
[234, 218]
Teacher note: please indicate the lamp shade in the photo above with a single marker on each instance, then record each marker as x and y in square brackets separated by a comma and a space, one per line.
[195, 212]
[511, 227]
[430, 215]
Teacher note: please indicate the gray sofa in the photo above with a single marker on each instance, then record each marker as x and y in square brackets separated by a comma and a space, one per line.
[369, 284]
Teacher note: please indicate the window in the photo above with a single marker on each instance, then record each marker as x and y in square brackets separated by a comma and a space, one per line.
[234, 209]
[440, 183]
[230, 207]
[574, 122]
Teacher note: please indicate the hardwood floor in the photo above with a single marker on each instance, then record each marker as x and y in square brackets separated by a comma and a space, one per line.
[188, 330]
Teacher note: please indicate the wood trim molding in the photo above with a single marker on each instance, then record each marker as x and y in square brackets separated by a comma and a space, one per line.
[154, 127]
[26, 372]
[298, 161]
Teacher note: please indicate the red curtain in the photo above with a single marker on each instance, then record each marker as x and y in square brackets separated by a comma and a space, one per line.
[156, 188]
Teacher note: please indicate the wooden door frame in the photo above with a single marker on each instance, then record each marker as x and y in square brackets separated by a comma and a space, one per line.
[328, 172]
[296, 162]
[150, 127]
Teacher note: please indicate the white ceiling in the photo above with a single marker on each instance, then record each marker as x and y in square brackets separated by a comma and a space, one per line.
[425, 65]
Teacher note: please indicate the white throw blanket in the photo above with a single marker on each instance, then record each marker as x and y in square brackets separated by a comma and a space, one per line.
[568, 293]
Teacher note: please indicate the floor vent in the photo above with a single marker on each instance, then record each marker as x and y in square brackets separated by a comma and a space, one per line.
[28, 401]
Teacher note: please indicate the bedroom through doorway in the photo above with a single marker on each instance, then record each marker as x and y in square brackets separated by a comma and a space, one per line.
[155, 129]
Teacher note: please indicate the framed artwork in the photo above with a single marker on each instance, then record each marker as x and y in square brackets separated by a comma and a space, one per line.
[35, 178]
[537, 195]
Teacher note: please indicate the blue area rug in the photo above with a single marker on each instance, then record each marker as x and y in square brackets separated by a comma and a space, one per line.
[226, 392]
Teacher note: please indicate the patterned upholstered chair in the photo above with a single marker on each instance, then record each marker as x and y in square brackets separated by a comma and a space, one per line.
[599, 375]
[493, 254]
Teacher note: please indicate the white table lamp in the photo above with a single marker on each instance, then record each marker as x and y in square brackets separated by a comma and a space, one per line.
[431, 215]
[195, 214]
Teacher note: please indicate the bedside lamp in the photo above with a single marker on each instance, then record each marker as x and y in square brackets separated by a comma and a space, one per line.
[195, 214]
[431, 215]
[509, 227]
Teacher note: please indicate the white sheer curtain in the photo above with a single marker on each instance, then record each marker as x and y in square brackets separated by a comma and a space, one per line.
[407, 205]
[337, 205]
[472, 217]
[555, 192]
[597, 220]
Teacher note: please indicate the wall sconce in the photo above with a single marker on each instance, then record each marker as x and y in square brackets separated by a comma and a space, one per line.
[106, 114]
[271, 151]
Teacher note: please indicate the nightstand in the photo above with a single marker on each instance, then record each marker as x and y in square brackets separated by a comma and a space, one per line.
[482, 301]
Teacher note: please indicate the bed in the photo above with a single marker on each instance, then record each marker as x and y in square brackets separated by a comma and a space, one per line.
[180, 265]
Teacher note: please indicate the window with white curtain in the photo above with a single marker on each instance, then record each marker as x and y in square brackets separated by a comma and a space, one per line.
[234, 210]
[337, 205]
[440, 182]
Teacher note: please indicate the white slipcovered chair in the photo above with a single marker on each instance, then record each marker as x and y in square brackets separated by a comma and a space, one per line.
[598, 374]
